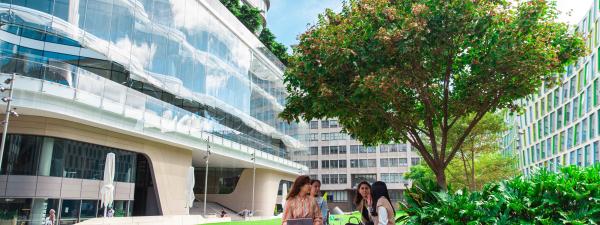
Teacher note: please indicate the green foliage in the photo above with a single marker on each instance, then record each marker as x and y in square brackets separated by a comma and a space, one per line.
[489, 167]
[251, 18]
[479, 161]
[420, 173]
[394, 71]
[571, 196]
[275, 47]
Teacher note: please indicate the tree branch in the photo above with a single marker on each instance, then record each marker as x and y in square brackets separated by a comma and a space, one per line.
[445, 102]
[474, 122]
[418, 143]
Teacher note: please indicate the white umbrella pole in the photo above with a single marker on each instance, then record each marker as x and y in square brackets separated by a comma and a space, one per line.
[206, 173]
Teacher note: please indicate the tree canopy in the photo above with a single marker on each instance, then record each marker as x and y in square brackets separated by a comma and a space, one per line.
[394, 71]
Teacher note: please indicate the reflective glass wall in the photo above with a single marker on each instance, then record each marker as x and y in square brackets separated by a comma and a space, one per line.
[48, 156]
[176, 51]
[35, 211]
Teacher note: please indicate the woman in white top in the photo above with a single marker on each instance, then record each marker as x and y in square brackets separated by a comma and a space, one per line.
[51, 218]
[315, 191]
[384, 213]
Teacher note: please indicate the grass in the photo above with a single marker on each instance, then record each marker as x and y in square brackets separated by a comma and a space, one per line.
[340, 219]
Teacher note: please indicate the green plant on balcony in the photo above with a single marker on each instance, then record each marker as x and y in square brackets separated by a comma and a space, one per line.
[251, 18]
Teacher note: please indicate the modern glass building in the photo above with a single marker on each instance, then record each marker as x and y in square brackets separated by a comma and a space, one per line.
[559, 125]
[158, 83]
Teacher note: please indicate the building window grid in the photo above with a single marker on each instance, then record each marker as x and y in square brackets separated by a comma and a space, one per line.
[586, 127]
[334, 178]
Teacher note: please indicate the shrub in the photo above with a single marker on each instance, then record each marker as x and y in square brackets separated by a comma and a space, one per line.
[571, 196]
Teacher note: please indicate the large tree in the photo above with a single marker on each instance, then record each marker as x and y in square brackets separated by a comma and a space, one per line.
[408, 70]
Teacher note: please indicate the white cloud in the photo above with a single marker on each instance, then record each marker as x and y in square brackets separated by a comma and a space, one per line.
[572, 11]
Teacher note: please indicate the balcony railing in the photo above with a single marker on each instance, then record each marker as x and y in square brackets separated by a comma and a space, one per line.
[70, 82]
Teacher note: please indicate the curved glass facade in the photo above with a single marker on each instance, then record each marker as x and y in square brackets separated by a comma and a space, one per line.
[31, 155]
[175, 51]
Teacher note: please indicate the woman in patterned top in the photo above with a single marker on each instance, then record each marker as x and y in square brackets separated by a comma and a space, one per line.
[300, 205]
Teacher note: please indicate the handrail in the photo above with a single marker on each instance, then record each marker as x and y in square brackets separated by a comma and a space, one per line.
[147, 109]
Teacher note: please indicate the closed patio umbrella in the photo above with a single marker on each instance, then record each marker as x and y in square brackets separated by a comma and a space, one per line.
[108, 189]
[190, 191]
[283, 194]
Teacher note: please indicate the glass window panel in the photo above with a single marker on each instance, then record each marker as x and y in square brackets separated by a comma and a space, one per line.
[314, 150]
[120, 208]
[17, 210]
[89, 208]
[354, 149]
[342, 149]
[61, 9]
[333, 150]
[314, 164]
[354, 163]
[325, 164]
[333, 179]
[384, 162]
[394, 162]
[69, 213]
[21, 155]
[372, 163]
[93, 10]
[314, 124]
[403, 161]
[39, 5]
[333, 164]
[325, 150]
[343, 163]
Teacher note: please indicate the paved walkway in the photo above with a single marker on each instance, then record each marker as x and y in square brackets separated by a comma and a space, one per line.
[154, 220]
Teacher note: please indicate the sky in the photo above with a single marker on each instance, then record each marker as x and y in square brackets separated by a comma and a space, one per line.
[289, 18]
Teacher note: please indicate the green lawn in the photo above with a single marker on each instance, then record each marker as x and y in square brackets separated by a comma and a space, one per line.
[340, 219]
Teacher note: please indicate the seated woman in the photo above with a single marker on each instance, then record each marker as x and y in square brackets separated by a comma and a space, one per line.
[300, 205]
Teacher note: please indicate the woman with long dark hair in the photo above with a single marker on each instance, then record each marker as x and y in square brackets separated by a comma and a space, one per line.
[300, 205]
[363, 201]
[315, 192]
[384, 213]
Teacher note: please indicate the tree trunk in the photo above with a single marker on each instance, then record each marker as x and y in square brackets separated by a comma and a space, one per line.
[464, 160]
[473, 183]
[440, 177]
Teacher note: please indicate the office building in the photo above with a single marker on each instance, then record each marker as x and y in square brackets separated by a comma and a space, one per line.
[559, 125]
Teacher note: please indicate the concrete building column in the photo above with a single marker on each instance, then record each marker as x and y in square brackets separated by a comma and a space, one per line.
[267, 185]
[46, 157]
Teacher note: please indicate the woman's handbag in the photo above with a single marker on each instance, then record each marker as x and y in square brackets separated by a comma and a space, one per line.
[358, 222]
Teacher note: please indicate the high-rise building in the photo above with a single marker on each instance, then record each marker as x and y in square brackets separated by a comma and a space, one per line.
[341, 162]
[559, 125]
[158, 83]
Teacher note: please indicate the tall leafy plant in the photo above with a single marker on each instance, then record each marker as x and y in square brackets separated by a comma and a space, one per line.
[571, 196]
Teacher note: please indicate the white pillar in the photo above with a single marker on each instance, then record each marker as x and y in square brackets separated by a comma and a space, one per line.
[46, 157]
